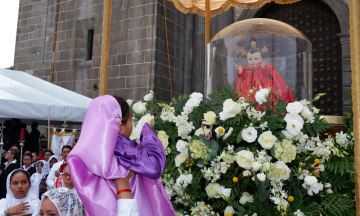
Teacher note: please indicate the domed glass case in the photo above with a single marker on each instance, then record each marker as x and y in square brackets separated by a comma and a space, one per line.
[261, 52]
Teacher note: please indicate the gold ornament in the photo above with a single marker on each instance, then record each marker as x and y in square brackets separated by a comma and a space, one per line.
[253, 44]
[243, 53]
[264, 49]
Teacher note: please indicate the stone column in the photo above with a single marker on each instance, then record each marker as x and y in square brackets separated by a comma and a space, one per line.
[346, 68]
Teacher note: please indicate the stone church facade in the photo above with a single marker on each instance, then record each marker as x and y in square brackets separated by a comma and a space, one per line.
[138, 56]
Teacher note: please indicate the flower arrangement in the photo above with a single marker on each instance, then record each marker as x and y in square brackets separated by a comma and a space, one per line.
[230, 156]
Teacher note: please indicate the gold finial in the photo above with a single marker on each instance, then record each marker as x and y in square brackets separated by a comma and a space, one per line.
[264, 49]
[64, 125]
[253, 44]
[243, 53]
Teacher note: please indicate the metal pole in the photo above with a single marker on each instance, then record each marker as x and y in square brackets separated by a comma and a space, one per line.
[207, 38]
[105, 46]
[354, 7]
[1, 141]
[21, 152]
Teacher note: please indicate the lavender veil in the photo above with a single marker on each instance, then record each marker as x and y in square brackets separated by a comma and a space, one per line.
[94, 166]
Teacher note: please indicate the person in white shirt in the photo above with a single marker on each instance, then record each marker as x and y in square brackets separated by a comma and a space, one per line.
[20, 198]
[42, 168]
[54, 172]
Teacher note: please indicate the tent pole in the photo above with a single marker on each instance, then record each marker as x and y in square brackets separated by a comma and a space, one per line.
[354, 7]
[49, 129]
[207, 37]
[105, 46]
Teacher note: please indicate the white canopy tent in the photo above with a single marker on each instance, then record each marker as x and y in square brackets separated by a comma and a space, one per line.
[27, 97]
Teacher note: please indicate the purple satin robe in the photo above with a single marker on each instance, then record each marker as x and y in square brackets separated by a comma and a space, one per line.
[101, 156]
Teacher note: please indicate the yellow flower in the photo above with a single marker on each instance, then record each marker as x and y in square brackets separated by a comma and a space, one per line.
[204, 205]
[235, 179]
[228, 214]
[291, 199]
[317, 161]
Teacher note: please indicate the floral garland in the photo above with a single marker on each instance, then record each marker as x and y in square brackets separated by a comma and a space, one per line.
[227, 155]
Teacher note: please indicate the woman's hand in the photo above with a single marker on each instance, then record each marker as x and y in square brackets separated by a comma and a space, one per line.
[239, 68]
[19, 209]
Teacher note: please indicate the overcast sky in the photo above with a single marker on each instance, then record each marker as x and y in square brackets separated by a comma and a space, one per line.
[9, 10]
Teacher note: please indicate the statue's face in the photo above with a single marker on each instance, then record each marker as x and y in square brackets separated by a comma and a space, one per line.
[254, 59]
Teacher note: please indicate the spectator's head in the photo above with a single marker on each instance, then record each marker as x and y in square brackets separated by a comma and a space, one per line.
[53, 160]
[27, 152]
[23, 126]
[66, 149]
[39, 167]
[16, 122]
[16, 148]
[34, 126]
[10, 155]
[27, 160]
[67, 178]
[19, 183]
[35, 156]
[44, 147]
[47, 154]
[125, 125]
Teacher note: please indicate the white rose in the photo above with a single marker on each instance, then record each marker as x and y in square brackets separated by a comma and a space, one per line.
[169, 192]
[245, 159]
[246, 197]
[329, 191]
[230, 109]
[183, 131]
[181, 146]
[180, 158]
[310, 180]
[139, 107]
[184, 180]
[211, 190]
[308, 115]
[327, 185]
[321, 167]
[256, 166]
[294, 116]
[261, 177]
[294, 123]
[224, 191]
[295, 107]
[193, 102]
[267, 166]
[164, 138]
[246, 173]
[261, 96]
[197, 95]
[249, 134]
[209, 118]
[267, 140]
[129, 101]
[167, 116]
[279, 171]
[287, 134]
[230, 210]
[148, 97]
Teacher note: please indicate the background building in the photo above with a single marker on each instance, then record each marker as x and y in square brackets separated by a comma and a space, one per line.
[138, 57]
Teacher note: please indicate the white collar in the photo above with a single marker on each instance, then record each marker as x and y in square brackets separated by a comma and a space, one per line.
[26, 169]
[12, 162]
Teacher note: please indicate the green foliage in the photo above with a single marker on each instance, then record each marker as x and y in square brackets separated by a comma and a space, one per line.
[318, 127]
[337, 205]
[339, 165]
[10, 68]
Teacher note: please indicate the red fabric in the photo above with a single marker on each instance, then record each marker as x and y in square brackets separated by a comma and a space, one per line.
[41, 156]
[268, 77]
[59, 181]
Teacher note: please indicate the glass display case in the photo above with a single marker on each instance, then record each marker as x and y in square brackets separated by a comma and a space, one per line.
[261, 52]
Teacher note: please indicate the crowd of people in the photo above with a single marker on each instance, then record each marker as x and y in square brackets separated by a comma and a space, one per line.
[111, 173]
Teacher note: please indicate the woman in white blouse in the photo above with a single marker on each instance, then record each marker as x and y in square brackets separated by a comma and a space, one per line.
[20, 198]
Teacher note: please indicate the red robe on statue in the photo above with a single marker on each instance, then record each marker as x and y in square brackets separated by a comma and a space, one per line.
[267, 78]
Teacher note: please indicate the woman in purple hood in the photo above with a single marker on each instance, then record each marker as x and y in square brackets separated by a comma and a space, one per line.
[106, 166]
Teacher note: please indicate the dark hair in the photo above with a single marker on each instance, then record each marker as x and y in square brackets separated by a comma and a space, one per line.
[44, 146]
[37, 153]
[15, 146]
[35, 124]
[21, 171]
[255, 50]
[23, 125]
[125, 109]
[13, 152]
[29, 155]
[49, 151]
[66, 146]
[40, 163]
